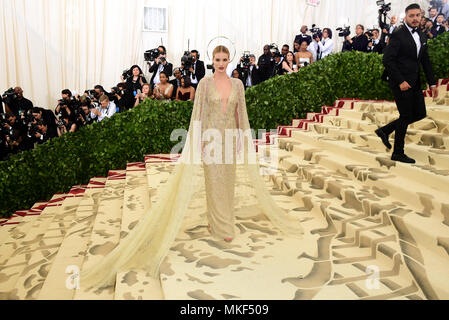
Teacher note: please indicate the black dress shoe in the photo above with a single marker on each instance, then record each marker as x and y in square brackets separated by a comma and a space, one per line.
[384, 138]
[402, 158]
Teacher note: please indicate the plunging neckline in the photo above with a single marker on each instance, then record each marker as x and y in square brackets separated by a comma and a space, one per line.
[221, 98]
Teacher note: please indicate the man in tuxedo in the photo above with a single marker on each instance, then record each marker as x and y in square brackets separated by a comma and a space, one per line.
[160, 65]
[405, 52]
[433, 13]
[198, 71]
[300, 38]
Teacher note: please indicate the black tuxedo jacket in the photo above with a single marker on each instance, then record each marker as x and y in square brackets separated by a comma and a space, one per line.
[255, 75]
[401, 61]
[300, 38]
[168, 69]
[200, 71]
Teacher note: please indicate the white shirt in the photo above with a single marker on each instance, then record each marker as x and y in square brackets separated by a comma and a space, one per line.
[194, 81]
[312, 48]
[326, 47]
[157, 78]
[415, 36]
[105, 113]
[249, 81]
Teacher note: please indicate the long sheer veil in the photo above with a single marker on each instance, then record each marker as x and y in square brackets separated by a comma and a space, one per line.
[150, 241]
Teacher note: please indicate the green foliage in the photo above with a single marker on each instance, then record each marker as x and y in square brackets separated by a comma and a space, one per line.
[75, 158]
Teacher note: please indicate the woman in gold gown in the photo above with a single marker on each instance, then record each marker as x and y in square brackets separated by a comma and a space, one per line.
[219, 142]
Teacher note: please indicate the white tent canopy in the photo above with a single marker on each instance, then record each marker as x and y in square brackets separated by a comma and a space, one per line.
[50, 45]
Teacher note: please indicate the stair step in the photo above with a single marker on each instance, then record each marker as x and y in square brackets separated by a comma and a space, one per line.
[72, 250]
[105, 234]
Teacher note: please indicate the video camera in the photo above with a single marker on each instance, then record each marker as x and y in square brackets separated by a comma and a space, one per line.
[187, 61]
[151, 55]
[344, 32]
[383, 11]
[9, 96]
[246, 61]
[317, 32]
[274, 49]
[126, 74]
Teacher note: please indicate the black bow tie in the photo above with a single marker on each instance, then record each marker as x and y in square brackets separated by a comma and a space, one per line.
[414, 30]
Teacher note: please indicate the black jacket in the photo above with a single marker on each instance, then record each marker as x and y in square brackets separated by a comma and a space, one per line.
[200, 71]
[266, 66]
[300, 38]
[360, 43]
[255, 75]
[401, 61]
[168, 69]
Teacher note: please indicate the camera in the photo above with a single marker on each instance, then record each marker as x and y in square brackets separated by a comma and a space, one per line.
[91, 94]
[187, 60]
[246, 61]
[317, 32]
[126, 74]
[383, 11]
[151, 55]
[9, 96]
[274, 49]
[344, 32]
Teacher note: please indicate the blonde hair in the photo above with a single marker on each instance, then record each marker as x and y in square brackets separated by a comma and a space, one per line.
[221, 49]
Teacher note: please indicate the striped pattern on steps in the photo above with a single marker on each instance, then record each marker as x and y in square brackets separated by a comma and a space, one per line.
[333, 175]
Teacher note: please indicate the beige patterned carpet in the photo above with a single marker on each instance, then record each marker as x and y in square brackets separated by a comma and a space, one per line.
[375, 229]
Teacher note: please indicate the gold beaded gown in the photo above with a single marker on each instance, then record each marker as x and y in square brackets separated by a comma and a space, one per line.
[213, 161]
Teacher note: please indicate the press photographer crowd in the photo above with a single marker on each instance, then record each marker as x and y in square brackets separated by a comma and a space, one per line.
[24, 126]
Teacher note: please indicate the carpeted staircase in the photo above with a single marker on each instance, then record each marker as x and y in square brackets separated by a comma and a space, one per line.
[376, 229]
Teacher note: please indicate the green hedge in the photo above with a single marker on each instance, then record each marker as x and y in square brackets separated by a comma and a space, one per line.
[75, 158]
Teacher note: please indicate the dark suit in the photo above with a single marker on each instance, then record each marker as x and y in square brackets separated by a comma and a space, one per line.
[200, 72]
[402, 63]
[360, 43]
[254, 74]
[300, 38]
[437, 31]
[176, 85]
[168, 69]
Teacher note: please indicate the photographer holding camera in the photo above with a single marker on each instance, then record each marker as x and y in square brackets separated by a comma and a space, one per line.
[135, 80]
[249, 70]
[106, 109]
[48, 118]
[15, 101]
[376, 45]
[325, 43]
[122, 97]
[303, 36]
[13, 134]
[41, 132]
[359, 42]
[197, 70]
[65, 108]
[85, 118]
[439, 27]
[160, 65]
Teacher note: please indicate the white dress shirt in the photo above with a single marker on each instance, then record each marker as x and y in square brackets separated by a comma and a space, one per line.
[105, 113]
[194, 81]
[313, 48]
[157, 78]
[326, 47]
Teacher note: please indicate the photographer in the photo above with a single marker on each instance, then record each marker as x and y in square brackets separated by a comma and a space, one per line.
[266, 64]
[375, 44]
[439, 27]
[123, 98]
[106, 109]
[197, 70]
[65, 108]
[48, 118]
[13, 133]
[359, 42]
[428, 29]
[277, 69]
[17, 102]
[85, 118]
[66, 124]
[325, 44]
[160, 65]
[250, 71]
[41, 132]
[302, 37]
[135, 80]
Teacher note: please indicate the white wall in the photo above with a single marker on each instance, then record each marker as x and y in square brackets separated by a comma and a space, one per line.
[49, 45]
